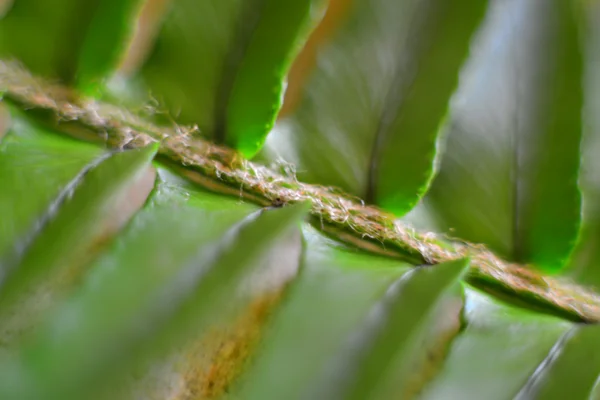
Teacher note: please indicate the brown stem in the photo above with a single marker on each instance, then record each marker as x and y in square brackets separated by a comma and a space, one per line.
[342, 216]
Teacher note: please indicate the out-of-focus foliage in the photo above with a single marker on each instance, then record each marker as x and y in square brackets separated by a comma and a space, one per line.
[369, 116]
[221, 65]
[514, 136]
[34, 168]
[332, 278]
[146, 284]
[117, 283]
[584, 265]
[380, 357]
[498, 341]
[76, 41]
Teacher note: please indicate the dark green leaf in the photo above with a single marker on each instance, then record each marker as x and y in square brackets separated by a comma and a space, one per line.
[370, 116]
[221, 65]
[497, 352]
[68, 39]
[334, 291]
[169, 270]
[509, 175]
[386, 342]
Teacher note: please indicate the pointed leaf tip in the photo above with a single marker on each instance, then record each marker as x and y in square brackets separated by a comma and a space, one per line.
[221, 65]
[508, 177]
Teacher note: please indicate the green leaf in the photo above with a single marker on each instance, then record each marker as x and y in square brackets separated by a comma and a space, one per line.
[322, 318]
[335, 289]
[164, 276]
[212, 357]
[67, 39]
[239, 250]
[585, 262]
[389, 335]
[509, 175]
[571, 369]
[105, 41]
[497, 352]
[221, 65]
[35, 165]
[70, 231]
[369, 118]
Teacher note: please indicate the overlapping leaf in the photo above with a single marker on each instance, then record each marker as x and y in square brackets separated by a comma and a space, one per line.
[74, 219]
[368, 120]
[352, 324]
[510, 170]
[68, 39]
[585, 265]
[334, 291]
[570, 370]
[78, 207]
[221, 65]
[498, 351]
[211, 358]
[381, 353]
[317, 321]
[162, 277]
[34, 167]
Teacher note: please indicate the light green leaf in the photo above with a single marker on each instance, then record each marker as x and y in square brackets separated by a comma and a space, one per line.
[499, 349]
[386, 342]
[509, 175]
[213, 355]
[164, 276]
[369, 119]
[239, 250]
[570, 370]
[220, 65]
[35, 165]
[69, 232]
[67, 39]
[334, 291]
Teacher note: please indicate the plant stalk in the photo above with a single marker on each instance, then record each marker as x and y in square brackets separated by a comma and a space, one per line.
[344, 217]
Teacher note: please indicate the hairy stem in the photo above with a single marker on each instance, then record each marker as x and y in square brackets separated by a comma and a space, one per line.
[339, 215]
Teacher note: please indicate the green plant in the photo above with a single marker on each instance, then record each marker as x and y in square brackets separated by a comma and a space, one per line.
[158, 262]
